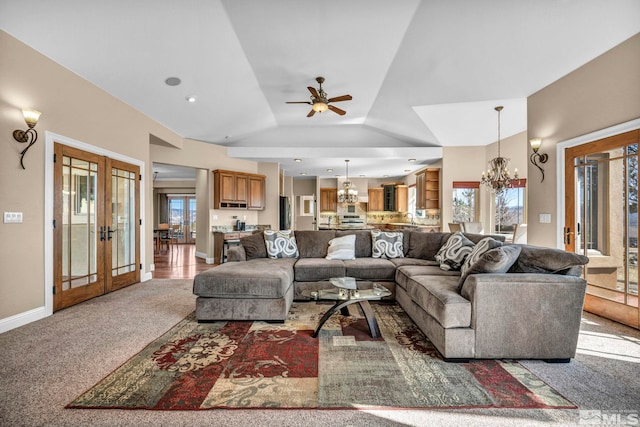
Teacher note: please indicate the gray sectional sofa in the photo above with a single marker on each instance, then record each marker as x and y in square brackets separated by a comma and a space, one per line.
[531, 311]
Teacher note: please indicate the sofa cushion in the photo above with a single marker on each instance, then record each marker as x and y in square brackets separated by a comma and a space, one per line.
[406, 272]
[454, 252]
[424, 245]
[281, 244]
[342, 248]
[314, 244]
[398, 262]
[387, 244]
[478, 250]
[497, 260]
[536, 259]
[314, 269]
[258, 278]
[438, 296]
[254, 246]
[475, 238]
[370, 269]
[363, 241]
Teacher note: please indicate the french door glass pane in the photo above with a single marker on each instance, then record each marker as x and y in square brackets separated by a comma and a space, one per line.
[79, 222]
[123, 255]
[632, 221]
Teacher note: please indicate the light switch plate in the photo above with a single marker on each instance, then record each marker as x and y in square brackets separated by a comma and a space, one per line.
[13, 217]
[545, 218]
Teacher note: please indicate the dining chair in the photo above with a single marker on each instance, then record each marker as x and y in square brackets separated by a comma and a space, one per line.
[472, 227]
[164, 231]
[455, 226]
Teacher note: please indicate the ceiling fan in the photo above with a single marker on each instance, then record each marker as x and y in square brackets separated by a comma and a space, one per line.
[319, 101]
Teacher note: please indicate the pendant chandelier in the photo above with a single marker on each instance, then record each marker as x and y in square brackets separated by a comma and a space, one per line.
[347, 194]
[497, 178]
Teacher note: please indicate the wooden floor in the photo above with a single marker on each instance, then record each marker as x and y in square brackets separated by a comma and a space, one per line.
[180, 262]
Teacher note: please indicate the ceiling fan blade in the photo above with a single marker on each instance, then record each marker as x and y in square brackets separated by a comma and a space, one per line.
[340, 98]
[313, 91]
[311, 113]
[298, 102]
[337, 110]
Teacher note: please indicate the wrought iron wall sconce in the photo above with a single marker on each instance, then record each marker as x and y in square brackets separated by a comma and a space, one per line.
[538, 158]
[27, 136]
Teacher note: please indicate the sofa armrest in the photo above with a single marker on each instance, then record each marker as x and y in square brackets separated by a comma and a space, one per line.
[516, 315]
[236, 253]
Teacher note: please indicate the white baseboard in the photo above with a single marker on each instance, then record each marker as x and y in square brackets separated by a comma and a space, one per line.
[146, 276]
[204, 257]
[22, 319]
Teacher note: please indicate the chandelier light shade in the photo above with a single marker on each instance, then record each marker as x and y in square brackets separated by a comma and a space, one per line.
[497, 178]
[347, 194]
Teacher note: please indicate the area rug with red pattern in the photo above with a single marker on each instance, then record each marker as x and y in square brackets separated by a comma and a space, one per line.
[197, 366]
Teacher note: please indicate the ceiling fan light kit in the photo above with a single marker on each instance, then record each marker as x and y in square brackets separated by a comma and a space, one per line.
[319, 101]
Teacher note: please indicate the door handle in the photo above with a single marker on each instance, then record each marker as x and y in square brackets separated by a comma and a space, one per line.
[101, 233]
[109, 232]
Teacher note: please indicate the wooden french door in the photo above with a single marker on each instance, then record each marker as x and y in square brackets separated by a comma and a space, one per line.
[601, 222]
[97, 225]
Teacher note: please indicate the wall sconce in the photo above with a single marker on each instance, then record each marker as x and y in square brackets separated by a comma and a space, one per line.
[30, 135]
[538, 158]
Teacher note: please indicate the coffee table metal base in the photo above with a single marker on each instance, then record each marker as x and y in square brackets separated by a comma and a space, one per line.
[341, 305]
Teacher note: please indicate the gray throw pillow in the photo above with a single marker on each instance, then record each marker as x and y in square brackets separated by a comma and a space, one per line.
[454, 252]
[497, 260]
[537, 259]
[254, 246]
[280, 244]
[479, 249]
[387, 244]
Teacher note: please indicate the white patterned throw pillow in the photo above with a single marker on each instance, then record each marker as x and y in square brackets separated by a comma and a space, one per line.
[387, 244]
[454, 252]
[342, 248]
[483, 246]
[280, 244]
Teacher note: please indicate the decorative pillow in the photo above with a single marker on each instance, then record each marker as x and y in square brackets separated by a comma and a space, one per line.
[280, 244]
[387, 244]
[497, 260]
[254, 246]
[454, 252]
[483, 246]
[536, 259]
[342, 248]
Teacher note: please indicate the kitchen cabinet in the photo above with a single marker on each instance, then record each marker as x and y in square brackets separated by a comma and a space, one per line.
[238, 190]
[256, 193]
[395, 197]
[376, 199]
[402, 198]
[328, 199]
[428, 189]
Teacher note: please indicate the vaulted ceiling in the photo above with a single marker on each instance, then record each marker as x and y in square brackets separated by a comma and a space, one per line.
[423, 74]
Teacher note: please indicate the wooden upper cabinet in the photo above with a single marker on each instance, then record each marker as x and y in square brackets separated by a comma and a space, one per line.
[421, 178]
[402, 198]
[376, 199]
[328, 199]
[256, 193]
[237, 190]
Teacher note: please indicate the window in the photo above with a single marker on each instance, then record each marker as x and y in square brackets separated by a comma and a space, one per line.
[509, 207]
[465, 201]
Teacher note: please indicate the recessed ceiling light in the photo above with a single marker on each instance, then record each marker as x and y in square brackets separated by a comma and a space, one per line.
[361, 176]
[303, 173]
[329, 170]
[412, 160]
[385, 176]
[297, 160]
[407, 170]
[191, 98]
[173, 81]
[337, 176]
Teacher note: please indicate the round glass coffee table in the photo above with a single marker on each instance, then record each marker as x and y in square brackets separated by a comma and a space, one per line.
[344, 294]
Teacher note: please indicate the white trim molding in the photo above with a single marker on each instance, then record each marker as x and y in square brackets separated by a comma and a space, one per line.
[580, 140]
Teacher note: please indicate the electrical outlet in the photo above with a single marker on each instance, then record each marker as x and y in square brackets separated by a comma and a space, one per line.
[13, 217]
[545, 218]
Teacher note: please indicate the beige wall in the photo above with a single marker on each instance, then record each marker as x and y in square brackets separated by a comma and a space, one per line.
[71, 107]
[600, 94]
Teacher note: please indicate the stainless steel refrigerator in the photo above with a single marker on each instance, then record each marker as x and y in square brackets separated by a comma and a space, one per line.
[285, 213]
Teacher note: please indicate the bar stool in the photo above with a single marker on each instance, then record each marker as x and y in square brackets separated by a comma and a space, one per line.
[225, 247]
